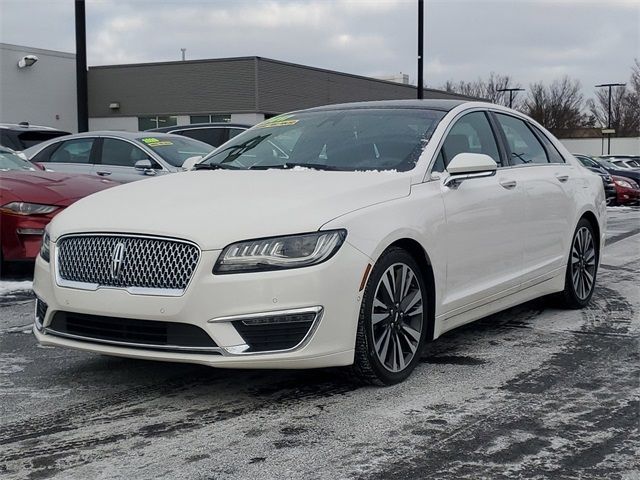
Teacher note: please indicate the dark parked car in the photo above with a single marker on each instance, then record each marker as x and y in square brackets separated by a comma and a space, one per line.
[21, 136]
[613, 169]
[215, 134]
[607, 180]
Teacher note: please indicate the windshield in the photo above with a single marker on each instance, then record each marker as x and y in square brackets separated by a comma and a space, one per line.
[175, 149]
[346, 140]
[11, 161]
[633, 163]
[608, 164]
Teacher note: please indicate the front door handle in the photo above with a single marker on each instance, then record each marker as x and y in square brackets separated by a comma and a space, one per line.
[562, 178]
[103, 173]
[508, 184]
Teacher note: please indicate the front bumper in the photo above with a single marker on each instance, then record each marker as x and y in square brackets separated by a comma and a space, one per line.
[627, 195]
[211, 302]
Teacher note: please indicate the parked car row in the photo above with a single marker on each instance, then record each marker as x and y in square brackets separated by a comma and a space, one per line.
[619, 174]
[63, 168]
[30, 198]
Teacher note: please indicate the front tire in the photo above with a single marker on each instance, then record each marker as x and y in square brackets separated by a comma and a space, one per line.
[582, 267]
[392, 324]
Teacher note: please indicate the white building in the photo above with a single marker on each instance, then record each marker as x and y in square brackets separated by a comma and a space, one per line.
[41, 92]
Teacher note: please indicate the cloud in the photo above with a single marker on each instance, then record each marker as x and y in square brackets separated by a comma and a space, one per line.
[593, 41]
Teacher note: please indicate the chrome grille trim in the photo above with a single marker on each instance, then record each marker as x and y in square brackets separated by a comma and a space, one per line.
[152, 265]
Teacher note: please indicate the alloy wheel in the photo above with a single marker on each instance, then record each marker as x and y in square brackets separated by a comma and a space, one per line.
[583, 263]
[397, 317]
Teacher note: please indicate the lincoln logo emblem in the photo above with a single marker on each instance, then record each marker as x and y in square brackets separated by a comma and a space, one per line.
[116, 260]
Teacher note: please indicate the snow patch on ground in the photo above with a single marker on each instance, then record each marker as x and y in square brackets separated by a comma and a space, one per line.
[9, 287]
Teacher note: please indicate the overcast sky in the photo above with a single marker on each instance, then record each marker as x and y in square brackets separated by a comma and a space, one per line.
[593, 41]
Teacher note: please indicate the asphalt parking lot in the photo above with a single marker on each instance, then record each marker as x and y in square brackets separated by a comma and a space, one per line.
[533, 392]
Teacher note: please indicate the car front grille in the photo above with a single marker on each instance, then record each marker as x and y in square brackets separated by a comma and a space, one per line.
[149, 334]
[130, 262]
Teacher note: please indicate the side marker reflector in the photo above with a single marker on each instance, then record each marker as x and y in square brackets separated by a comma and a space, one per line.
[363, 283]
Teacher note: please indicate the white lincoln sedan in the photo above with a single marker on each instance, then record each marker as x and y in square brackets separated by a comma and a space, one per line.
[348, 235]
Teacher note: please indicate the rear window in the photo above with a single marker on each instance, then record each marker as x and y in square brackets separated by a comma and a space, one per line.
[29, 139]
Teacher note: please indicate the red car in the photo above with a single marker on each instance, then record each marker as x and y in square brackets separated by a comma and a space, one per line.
[627, 190]
[30, 198]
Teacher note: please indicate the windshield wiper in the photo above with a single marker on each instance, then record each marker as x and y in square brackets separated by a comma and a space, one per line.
[290, 165]
[213, 166]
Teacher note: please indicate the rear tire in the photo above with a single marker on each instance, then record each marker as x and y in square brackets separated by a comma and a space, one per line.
[392, 324]
[582, 267]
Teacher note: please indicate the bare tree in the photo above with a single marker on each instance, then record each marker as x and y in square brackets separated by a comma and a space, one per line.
[557, 106]
[488, 89]
[625, 105]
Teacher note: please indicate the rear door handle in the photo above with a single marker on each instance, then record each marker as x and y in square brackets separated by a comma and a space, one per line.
[103, 173]
[508, 184]
[562, 178]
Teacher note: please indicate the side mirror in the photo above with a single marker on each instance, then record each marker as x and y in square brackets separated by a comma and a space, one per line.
[190, 162]
[465, 166]
[146, 166]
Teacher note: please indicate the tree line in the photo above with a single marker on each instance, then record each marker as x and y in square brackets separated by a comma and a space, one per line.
[561, 105]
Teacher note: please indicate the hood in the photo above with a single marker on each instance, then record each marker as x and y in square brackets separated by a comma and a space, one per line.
[48, 188]
[216, 208]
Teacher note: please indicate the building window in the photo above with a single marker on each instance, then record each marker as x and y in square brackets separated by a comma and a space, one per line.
[213, 118]
[145, 123]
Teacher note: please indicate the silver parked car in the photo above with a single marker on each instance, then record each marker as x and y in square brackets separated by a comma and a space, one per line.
[120, 156]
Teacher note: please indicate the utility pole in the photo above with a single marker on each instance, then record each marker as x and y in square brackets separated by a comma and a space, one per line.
[420, 48]
[81, 67]
[610, 86]
[510, 90]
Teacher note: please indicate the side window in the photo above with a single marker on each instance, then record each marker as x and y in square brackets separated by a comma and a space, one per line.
[44, 155]
[524, 145]
[439, 165]
[73, 151]
[235, 131]
[213, 136]
[471, 134]
[552, 152]
[120, 153]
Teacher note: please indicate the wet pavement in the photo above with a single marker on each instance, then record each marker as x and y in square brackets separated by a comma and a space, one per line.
[532, 392]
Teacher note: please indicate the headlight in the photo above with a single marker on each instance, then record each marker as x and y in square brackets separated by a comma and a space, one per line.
[45, 249]
[23, 208]
[277, 253]
[624, 183]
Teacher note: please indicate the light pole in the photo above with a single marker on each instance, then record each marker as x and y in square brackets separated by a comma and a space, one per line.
[510, 90]
[610, 86]
[81, 67]
[420, 48]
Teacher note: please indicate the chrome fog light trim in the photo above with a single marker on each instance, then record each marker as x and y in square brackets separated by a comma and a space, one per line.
[262, 318]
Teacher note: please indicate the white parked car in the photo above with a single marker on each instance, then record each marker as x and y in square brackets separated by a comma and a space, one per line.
[119, 156]
[346, 235]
